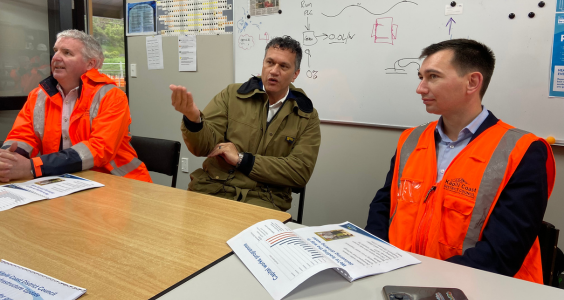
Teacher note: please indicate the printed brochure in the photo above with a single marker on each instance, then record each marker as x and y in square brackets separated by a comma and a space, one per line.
[281, 258]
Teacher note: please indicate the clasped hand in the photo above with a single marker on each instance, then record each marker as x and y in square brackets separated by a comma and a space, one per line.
[13, 165]
[226, 150]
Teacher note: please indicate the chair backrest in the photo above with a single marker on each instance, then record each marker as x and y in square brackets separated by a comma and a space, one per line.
[158, 155]
[301, 192]
[548, 240]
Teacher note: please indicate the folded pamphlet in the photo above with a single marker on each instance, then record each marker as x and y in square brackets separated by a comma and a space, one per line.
[281, 258]
[16, 194]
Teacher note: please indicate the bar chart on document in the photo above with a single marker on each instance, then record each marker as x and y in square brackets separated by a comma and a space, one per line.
[287, 250]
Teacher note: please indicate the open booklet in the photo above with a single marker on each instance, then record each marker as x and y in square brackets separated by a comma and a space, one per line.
[12, 195]
[282, 258]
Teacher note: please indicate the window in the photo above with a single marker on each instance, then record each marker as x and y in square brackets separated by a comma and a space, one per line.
[107, 25]
[24, 50]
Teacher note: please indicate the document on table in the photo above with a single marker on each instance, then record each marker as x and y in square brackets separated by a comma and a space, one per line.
[154, 46]
[20, 283]
[12, 195]
[186, 53]
[281, 259]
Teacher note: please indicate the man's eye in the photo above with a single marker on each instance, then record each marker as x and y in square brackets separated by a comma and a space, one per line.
[433, 76]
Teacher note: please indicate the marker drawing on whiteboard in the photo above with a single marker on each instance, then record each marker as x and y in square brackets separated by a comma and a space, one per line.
[246, 42]
[399, 66]
[264, 37]
[376, 14]
[242, 23]
[384, 31]
[449, 24]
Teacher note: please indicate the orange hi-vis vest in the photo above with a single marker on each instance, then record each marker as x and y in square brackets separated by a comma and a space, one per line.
[98, 130]
[443, 219]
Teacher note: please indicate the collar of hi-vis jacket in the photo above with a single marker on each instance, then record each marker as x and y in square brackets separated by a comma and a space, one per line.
[91, 78]
[302, 104]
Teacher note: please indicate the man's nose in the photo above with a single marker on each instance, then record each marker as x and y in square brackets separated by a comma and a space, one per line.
[55, 57]
[422, 88]
[275, 69]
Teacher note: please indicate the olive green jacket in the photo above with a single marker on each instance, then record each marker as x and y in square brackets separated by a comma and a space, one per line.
[277, 157]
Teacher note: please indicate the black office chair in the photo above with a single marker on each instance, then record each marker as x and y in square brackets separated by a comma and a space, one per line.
[301, 192]
[158, 155]
[548, 240]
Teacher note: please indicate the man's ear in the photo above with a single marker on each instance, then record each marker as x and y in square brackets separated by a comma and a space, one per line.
[475, 81]
[91, 64]
[296, 75]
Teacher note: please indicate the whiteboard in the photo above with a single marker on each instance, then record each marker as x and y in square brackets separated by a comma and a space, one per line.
[360, 59]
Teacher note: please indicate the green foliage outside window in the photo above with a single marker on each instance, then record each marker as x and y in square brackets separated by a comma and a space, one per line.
[109, 33]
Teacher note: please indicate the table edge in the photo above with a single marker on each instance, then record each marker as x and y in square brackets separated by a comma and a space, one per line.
[202, 270]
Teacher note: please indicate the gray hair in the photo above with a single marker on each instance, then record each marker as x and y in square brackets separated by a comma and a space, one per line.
[286, 43]
[91, 50]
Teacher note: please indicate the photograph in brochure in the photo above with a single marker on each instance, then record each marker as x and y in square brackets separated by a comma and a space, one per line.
[58, 186]
[16, 194]
[281, 258]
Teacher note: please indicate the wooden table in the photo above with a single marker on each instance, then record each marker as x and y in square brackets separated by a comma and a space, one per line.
[127, 240]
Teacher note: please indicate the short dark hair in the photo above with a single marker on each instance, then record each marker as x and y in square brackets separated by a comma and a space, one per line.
[469, 56]
[286, 43]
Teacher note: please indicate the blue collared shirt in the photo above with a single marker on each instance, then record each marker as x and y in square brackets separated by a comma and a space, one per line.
[447, 150]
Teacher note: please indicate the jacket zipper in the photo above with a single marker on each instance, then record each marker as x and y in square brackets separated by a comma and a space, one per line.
[419, 240]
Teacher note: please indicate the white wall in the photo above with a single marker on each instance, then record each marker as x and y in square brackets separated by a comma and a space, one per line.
[353, 160]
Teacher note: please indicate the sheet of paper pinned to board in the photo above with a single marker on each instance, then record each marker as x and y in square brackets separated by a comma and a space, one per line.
[264, 7]
[141, 18]
[186, 53]
[154, 46]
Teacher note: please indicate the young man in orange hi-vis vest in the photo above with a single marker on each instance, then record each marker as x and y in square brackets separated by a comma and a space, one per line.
[467, 188]
[77, 119]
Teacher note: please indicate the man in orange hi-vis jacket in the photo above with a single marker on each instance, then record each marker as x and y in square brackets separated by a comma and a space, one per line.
[468, 188]
[77, 119]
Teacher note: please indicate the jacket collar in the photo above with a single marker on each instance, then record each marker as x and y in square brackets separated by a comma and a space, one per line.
[255, 86]
[490, 121]
[49, 84]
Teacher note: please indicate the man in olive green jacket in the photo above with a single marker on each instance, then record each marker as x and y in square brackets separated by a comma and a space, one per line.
[261, 137]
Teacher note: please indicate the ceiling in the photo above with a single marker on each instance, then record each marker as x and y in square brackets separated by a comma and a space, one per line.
[108, 8]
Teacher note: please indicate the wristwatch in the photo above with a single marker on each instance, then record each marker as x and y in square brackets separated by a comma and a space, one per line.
[241, 155]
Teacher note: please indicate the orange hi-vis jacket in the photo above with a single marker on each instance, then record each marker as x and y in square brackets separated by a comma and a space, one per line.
[98, 130]
[443, 219]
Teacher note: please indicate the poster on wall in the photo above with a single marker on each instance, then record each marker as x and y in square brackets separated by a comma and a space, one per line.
[263, 7]
[190, 17]
[557, 63]
[141, 18]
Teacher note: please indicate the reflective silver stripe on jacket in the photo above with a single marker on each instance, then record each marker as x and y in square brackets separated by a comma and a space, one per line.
[128, 167]
[85, 155]
[491, 181]
[25, 146]
[95, 105]
[406, 150]
[39, 114]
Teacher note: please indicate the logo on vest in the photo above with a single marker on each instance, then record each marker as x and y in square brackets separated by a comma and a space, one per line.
[460, 186]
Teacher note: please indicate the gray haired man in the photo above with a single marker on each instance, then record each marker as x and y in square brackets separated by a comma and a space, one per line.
[77, 119]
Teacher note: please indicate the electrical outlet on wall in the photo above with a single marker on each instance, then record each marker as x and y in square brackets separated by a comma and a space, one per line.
[184, 164]
[133, 70]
